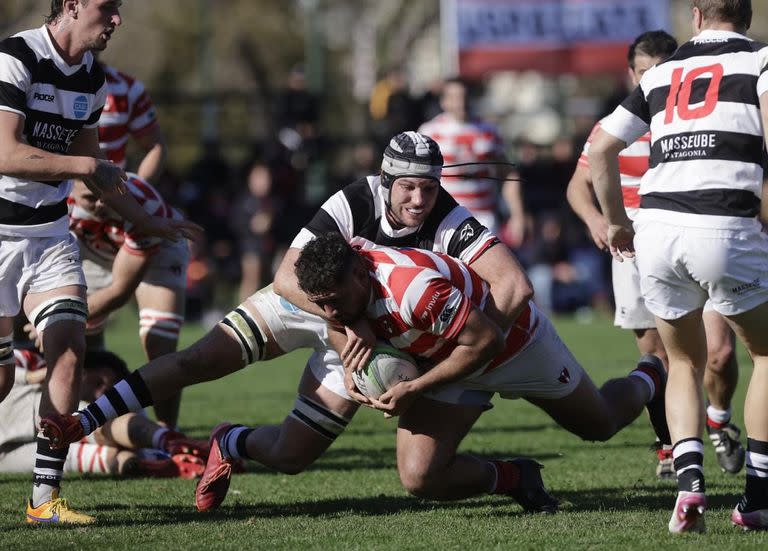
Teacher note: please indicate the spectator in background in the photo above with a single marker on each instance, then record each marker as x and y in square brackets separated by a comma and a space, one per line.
[295, 103]
[252, 218]
[391, 106]
[130, 113]
[463, 139]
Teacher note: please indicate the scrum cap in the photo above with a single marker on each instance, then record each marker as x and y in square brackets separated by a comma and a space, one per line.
[411, 154]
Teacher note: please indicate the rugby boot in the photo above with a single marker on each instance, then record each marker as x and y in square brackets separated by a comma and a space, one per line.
[212, 487]
[665, 469]
[730, 453]
[688, 515]
[56, 511]
[749, 518]
[178, 443]
[61, 430]
[530, 492]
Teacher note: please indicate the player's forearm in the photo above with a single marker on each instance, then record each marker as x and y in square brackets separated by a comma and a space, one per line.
[124, 204]
[153, 162]
[21, 160]
[105, 301]
[580, 197]
[463, 361]
[604, 164]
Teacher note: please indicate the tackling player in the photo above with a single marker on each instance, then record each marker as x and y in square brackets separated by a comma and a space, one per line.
[722, 374]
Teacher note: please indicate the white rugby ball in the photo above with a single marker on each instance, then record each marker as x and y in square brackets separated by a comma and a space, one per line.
[387, 367]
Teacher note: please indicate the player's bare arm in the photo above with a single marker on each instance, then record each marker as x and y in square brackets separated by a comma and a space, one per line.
[604, 164]
[581, 198]
[128, 270]
[287, 285]
[478, 342]
[510, 289]
[156, 151]
[21, 160]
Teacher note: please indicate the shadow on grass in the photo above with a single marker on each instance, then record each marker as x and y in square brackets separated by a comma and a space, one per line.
[638, 498]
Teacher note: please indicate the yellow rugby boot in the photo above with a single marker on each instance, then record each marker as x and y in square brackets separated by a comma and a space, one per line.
[56, 510]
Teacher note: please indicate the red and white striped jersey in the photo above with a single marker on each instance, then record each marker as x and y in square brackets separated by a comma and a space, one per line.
[105, 237]
[128, 111]
[633, 163]
[468, 142]
[421, 300]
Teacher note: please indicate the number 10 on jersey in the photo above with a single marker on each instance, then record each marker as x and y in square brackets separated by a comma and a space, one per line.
[679, 97]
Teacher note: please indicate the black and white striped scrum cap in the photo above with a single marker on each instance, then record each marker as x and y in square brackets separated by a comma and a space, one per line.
[412, 154]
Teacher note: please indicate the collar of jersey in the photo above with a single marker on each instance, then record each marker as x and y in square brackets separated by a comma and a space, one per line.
[62, 65]
[717, 33]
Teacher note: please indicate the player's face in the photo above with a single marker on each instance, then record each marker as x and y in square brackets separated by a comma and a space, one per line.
[98, 19]
[411, 201]
[89, 201]
[347, 303]
[643, 62]
[454, 100]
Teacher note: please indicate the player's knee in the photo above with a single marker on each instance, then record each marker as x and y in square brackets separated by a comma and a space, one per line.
[719, 358]
[418, 478]
[599, 431]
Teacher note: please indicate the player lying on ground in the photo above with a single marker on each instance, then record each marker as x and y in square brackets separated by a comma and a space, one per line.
[130, 445]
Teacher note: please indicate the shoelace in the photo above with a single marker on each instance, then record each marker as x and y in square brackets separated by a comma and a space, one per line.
[60, 504]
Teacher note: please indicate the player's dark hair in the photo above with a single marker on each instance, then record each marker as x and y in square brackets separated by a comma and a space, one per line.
[57, 8]
[323, 264]
[737, 12]
[653, 44]
[95, 359]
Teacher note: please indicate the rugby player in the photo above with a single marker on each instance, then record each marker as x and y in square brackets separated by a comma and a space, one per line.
[51, 95]
[131, 445]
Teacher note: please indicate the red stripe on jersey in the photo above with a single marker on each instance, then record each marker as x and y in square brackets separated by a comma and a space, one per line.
[431, 303]
[631, 197]
[633, 166]
[518, 336]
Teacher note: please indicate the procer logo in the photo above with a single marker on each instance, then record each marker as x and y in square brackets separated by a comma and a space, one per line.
[44, 97]
[80, 107]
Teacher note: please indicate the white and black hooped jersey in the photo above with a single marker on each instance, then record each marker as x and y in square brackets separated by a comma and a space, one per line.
[56, 100]
[359, 210]
[702, 107]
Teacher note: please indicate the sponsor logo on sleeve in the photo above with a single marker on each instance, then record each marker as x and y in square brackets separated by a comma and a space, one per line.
[80, 107]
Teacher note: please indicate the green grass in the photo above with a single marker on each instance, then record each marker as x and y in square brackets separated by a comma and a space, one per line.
[351, 498]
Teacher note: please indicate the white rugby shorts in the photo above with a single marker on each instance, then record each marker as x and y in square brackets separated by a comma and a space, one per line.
[35, 265]
[167, 267]
[631, 312]
[681, 267]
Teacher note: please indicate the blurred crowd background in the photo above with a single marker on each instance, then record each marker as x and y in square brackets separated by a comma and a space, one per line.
[270, 106]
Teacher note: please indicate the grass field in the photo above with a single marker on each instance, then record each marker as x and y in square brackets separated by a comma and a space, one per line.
[351, 498]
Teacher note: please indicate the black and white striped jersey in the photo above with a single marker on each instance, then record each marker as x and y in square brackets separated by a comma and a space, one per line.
[56, 100]
[359, 210]
[702, 107]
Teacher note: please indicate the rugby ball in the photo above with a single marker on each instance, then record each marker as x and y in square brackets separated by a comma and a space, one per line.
[387, 367]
